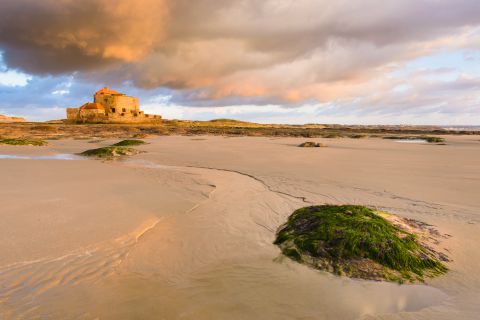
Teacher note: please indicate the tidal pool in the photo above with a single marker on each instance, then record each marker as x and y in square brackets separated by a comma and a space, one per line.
[45, 157]
[412, 141]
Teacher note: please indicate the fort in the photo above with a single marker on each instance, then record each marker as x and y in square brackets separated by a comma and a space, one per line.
[110, 106]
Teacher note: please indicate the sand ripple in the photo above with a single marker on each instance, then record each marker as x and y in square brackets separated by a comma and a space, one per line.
[213, 261]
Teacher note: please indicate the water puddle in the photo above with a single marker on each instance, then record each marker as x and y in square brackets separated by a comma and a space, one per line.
[412, 141]
[45, 157]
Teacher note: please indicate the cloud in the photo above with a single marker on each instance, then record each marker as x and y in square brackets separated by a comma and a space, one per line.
[427, 96]
[291, 50]
[51, 36]
[295, 50]
[388, 61]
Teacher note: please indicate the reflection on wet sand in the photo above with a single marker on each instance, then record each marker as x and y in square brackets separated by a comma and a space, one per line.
[42, 157]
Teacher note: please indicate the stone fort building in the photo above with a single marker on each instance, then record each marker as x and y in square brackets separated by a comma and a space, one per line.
[110, 106]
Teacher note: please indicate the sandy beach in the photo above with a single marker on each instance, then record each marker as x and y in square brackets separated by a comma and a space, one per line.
[185, 230]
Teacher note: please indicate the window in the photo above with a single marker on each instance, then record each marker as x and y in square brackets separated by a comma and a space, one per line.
[113, 110]
[124, 110]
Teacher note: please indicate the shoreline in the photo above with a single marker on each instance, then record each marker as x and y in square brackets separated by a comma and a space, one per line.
[56, 131]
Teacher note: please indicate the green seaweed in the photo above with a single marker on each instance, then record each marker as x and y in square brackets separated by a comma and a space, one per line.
[23, 142]
[429, 139]
[127, 143]
[357, 136]
[109, 152]
[311, 144]
[341, 234]
[434, 139]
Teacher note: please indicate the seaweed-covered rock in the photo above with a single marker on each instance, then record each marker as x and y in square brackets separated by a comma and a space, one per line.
[358, 136]
[128, 143]
[429, 139]
[311, 144]
[110, 152]
[359, 242]
[23, 142]
[434, 139]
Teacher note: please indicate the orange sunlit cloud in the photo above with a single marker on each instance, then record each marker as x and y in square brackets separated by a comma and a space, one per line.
[290, 50]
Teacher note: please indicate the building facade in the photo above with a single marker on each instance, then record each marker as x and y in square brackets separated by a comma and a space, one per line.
[110, 106]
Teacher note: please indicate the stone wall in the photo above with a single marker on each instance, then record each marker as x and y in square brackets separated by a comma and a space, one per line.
[75, 115]
[72, 113]
[118, 103]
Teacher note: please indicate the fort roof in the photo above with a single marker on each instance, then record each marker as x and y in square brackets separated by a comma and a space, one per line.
[107, 90]
[92, 106]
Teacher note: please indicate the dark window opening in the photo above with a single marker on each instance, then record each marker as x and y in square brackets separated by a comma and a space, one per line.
[113, 110]
[124, 110]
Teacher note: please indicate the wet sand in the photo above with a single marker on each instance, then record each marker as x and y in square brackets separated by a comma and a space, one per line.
[185, 230]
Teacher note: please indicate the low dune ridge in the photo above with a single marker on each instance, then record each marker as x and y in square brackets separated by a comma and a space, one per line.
[55, 130]
[5, 119]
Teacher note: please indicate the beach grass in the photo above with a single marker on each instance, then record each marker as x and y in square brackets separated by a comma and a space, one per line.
[333, 135]
[44, 128]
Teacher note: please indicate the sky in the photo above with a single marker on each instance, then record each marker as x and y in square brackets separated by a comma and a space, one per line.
[269, 61]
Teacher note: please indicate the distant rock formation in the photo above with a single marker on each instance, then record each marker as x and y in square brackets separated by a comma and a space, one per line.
[11, 119]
